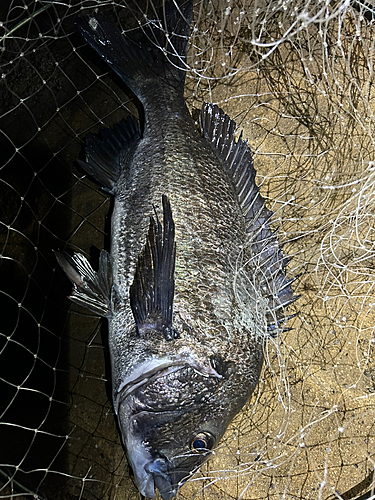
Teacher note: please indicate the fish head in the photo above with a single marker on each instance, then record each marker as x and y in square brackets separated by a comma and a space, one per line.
[172, 422]
[164, 451]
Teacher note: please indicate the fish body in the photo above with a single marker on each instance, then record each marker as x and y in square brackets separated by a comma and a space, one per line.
[195, 278]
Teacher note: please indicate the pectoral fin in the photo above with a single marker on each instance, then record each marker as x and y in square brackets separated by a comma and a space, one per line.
[91, 289]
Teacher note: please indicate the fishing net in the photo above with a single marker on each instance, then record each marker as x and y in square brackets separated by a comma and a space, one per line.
[298, 78]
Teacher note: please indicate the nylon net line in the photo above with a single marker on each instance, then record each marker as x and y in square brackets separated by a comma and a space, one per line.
[297, 76]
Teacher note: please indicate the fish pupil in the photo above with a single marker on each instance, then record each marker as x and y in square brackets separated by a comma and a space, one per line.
[199, 443]
[202, 441]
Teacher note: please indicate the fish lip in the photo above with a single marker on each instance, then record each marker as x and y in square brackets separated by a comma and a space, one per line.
[153, 473]
[158, 469]
[147, 488]
[164, 477]
[158, 366]
[166, 494]
[139, 459]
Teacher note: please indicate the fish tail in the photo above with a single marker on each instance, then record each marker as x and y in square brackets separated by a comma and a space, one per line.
[153, 55]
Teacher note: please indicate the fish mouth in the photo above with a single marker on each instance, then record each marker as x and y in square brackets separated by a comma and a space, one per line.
[160, 473]
[151, 473]
[152, 469]
[148, 472]
[158, 476]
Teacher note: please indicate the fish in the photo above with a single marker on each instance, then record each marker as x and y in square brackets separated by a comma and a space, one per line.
[195, 280]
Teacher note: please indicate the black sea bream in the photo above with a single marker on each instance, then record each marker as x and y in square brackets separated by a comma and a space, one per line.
[195, 279]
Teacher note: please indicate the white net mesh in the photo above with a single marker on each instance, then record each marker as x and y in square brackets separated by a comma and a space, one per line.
[298, 77]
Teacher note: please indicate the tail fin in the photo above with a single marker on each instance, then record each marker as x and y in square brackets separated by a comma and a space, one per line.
[156, 53]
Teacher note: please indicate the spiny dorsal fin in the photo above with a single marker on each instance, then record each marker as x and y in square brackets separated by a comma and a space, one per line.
[267, 257]
[91, 289]
[152, 291]
[103, 157]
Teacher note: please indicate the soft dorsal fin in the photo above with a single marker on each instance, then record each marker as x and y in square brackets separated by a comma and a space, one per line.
[267, 257]
[152, 290]
[105, 156]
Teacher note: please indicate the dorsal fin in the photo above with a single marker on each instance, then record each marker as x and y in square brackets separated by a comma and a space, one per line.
[104, 156]
[152, 290]
[267, 257]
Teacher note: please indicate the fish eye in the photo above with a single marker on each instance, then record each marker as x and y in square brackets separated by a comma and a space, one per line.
[202, 441]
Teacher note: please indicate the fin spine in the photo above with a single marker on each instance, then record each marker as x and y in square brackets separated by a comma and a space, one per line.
[267, 256]
[152, 290]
